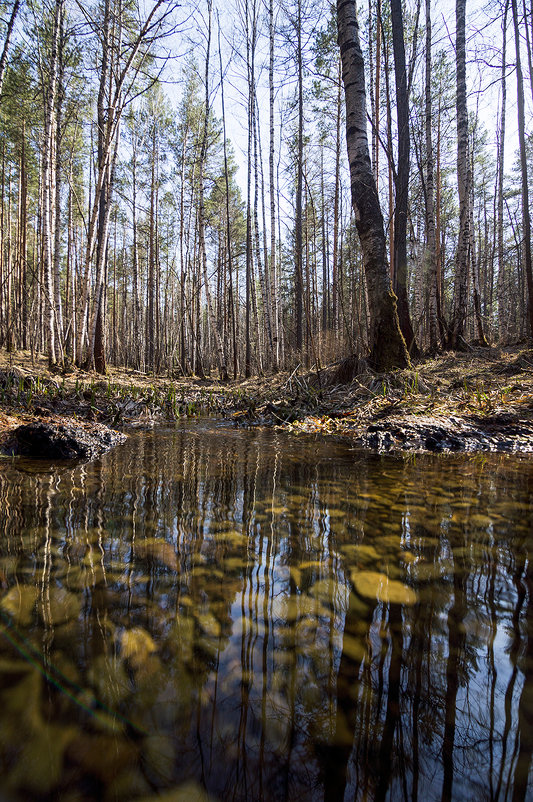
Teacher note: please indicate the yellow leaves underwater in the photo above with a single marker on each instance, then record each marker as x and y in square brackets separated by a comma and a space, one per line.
[137, 645]
[19, 602]
[38, 745]
[56, 605]
[158, 550]
[373, 585]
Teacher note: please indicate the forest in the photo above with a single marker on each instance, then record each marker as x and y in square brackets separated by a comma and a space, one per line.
[176, 195]
[227, 230]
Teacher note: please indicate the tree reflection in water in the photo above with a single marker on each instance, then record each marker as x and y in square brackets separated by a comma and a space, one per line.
[267, 617]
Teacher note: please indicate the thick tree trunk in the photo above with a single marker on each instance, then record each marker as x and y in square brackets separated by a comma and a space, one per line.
[387, 345]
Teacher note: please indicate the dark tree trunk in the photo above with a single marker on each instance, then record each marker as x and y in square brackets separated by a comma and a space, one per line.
[387, 345]
[401, 177]
[456, 339]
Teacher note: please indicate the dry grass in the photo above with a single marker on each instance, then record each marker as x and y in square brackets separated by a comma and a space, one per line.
[480, 383]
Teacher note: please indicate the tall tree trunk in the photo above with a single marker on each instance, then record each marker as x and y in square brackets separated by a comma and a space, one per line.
[387, 346]
[298, 238]
[263, 277]
[431, 241]
[150, 289]
[136, 301]
[48, 169]
[325, 270]
[117, 66]
[228, 238]
[377, 96]
[221, 356]
[401, 177]
[456, 339]
[500, 169]
[272, 190]
[335, 272]
[250, 58]
[57, 180]
[474, 272]
[526, 217]
[23, 216]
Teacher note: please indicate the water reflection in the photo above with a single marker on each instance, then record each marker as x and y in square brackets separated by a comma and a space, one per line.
[265, 618]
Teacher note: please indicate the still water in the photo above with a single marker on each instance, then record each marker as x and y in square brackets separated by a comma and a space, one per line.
[210, 613]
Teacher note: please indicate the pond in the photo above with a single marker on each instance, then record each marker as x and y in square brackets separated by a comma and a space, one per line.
[225, 614]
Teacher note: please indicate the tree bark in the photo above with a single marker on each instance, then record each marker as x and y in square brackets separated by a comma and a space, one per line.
[228, 237]
[298, 237]
[221, 356]
[387, 345]
[500, 174]
[526, 217]
[456, 339]
[48, 171]
[274, 304]
[431, 241]
[401, 177]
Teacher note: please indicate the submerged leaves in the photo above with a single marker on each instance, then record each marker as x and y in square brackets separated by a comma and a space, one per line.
[137, 645]
[19, 602]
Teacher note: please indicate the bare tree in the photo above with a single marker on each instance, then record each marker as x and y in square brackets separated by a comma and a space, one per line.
[124, 57]
[526, 217]
[464, 179]
[387, 345]
[431, 241]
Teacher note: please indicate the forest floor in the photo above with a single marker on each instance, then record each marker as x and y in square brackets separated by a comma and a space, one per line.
[478, 400]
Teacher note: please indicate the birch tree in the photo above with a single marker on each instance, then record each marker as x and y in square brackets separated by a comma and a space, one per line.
[125, 55]
[464, 179]
[526, 216]
[401, 177]
[387, 345]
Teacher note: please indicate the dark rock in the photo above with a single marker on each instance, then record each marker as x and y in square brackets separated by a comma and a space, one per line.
[380, 439]
[62, 441]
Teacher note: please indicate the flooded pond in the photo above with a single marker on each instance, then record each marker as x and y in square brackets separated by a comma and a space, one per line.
[209, 613]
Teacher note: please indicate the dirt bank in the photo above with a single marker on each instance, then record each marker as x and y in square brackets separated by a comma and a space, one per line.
[479, 400]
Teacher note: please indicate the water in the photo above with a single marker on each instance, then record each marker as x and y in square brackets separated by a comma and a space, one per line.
[234, 615]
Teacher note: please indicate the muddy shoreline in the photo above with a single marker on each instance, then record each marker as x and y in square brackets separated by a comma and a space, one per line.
[478, 401]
